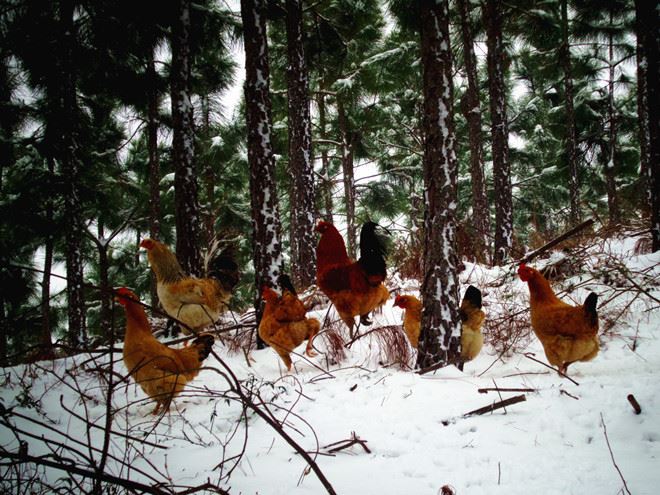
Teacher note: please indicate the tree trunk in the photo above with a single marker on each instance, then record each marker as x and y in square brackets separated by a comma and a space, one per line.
[209, 176]
[610, 166]
[266, 228]
[349, 179]
[472, 112]
[45, 339]
[154, 163]
[642, 114]
[326, 182]
[441, 325]
[571, 133]
[186, 203]
[303, 241]
[74, 228]
[648, 19]
[104, 284]
[500, 134]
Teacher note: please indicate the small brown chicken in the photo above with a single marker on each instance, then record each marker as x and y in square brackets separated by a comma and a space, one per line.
[568, 333]
[471, 315]
[197, 302]
[284, 326]
[161, 371]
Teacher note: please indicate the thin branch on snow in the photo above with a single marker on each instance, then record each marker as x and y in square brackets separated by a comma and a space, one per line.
[609, 447]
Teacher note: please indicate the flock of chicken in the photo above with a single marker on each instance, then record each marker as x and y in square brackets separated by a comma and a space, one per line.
[568, 333]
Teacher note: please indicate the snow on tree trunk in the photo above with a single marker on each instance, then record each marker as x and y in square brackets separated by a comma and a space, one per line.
[500, 134]
[74, 231]
[648, 22]
[326, 182]
[154, 163]
[571, 134]
[472, 112]
[610, 167]
[303, 241]
[186, 203]
[267, 247]
[441, 325]
[349, 178]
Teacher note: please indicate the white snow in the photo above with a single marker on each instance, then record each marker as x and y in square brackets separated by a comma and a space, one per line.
[553, 443]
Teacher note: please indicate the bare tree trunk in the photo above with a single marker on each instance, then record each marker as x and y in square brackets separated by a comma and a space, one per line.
[441, 328]
[648, 19]
[472, 112]
[209, 177]
[349, 178]
[45, 339]
[267, 247]
[154, 163]
[610, 166]
[571, 133]
[642, 113]
[74, 228]
[186, 208]
[104, 283]
[500, 134]
[303, 240]
[326, 182]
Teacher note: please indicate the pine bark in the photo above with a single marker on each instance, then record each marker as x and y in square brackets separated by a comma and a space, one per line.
[303, 241]
[472, 112]
[571, 133]
[45, 338]
[154, 162]
[440, 336]
[610, 167]
[642, 112]
[70, 167]
[326, 182]
[649, 32]
[266, 227]
[500, 133]
[349, 177]
[186, 207]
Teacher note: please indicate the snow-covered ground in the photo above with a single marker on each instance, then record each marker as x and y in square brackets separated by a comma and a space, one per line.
[413, 425]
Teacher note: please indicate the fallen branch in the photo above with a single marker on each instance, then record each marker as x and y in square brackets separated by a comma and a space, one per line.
[344, 444]
[529, 355]
[556, 241]
[634, 404]
[497, 389]
[609, 447]
[496, 405]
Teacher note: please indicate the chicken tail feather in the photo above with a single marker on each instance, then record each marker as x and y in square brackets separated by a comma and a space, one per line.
[203, 343]
[590, 308]
[224, 269]
[285, 283]
[473, 295]
[372, 250]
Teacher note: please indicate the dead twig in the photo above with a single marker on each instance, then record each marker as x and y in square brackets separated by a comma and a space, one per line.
[496, 405]
[344, 444]
[529, 355]
[609, 447]
[497, 389]
[634, 404]
[556, 241]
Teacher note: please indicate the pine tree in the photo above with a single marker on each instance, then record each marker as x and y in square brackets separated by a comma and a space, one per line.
[266, 228]
[440, 337]
[187, 211]
[472, 112]
[303, 241]
[493, 14]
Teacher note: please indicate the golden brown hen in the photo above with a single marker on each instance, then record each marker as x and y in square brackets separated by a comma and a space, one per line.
[161, 371]
[568, 333]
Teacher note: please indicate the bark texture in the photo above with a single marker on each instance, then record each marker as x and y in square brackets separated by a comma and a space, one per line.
[440, 335]
[303, 240]
[500, 133]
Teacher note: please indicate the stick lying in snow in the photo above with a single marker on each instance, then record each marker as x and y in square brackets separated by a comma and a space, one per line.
[529, 355]
[634, 404]
[344, 444]
[497, 389]
[492, 407]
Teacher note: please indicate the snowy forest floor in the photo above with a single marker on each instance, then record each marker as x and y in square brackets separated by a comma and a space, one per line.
[567, 437]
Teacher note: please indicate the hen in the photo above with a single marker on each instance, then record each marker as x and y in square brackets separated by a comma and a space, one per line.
[161, 371]
[568, 333]
[472, 318]
[283, 324]
[354, 287]
[197, 302]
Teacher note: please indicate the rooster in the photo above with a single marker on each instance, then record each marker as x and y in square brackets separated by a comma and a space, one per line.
[568, 333]
[161, 371]
[197, 302]
[354, 287]
[283, 324]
